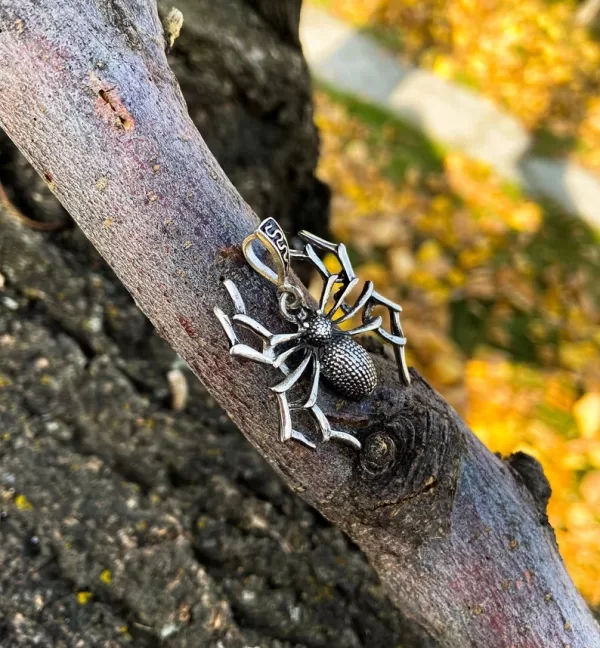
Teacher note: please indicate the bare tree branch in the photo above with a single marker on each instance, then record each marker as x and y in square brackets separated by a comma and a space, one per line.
[459, 537]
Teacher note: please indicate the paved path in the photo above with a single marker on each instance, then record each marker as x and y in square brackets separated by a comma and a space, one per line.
[450, 114]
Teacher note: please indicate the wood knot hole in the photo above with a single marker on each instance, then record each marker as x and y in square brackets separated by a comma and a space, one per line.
[379, 453]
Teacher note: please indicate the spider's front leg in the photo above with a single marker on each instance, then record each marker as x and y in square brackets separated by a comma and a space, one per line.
[237, 348]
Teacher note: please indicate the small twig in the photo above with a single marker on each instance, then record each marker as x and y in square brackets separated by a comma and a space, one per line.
[179, 389]
[15, 213]
[172, 23]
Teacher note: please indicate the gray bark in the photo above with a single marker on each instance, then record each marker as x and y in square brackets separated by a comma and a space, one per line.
[459, 537]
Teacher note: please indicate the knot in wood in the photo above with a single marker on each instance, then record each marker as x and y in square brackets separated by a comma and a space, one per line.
[379, 453]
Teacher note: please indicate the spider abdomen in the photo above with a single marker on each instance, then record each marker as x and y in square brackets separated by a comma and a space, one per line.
[348, 367]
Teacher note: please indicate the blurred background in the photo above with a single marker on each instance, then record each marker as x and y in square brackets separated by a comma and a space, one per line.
[457, 154]
[499, 282]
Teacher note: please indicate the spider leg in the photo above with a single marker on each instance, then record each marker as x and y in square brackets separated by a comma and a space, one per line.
[237, 349]
[267, 356]
[342, 255]
[371, 325]
[363, 298]
[326, 293]
[397, 340]
[341, 298]
[236, 298]
[227, 326]
[286, 430]
[398, 346]
[225, 321]
[281, 338]
[245, 351]
[318, 241]
[401, 362]
[328, 433]
[339, 249]
[269, 340]
[256, 327]
[322, 421]
[293, 377]
[314, 385]
[252, 325]
[346, 438]
[240, 308]
[310, 254]
[285, 418]
[396, 336]
[282, 357]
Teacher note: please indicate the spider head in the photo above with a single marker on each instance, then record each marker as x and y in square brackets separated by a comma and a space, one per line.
[318, 330]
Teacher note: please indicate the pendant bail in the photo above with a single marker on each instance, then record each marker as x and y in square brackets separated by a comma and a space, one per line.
[273, 238]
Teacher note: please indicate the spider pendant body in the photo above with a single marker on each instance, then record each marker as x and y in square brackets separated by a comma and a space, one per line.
[319, 347]
[345, 364]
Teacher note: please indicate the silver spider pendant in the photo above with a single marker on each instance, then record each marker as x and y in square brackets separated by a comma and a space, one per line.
[318, 348]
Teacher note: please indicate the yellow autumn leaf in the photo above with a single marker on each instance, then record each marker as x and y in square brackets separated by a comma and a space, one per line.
[587, 414]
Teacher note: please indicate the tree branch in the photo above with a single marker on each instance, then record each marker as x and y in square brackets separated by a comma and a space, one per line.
[459, 537]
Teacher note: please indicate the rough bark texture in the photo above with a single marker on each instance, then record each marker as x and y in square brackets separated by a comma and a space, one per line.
[457, 536]
[255, 111]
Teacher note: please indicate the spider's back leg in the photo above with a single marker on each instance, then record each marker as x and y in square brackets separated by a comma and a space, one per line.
[361, 302]
[371, 325]
[293, 377]
[286, 431]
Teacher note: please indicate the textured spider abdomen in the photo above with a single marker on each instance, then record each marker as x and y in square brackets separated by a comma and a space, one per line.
[348, 367]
